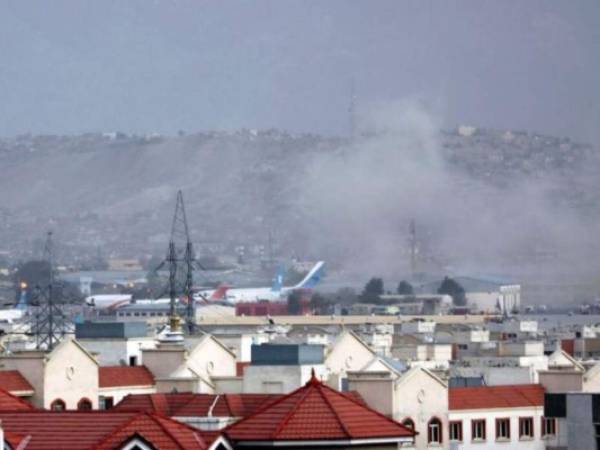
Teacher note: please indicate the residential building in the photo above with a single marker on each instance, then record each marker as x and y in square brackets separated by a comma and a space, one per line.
[291, 421]
[496, 416]
[64, 378]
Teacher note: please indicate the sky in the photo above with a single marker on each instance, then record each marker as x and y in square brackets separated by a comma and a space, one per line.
[142, 66]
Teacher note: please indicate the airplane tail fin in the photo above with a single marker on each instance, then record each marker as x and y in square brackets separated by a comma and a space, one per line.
[22, 304]
[278, 279]
[313, 277]
[219, 293]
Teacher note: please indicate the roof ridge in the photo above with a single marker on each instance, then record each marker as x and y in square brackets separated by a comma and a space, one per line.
[154, 418]
[364, 406]
[290, 413]
[336, 415]
[116, 430]
[263, 408]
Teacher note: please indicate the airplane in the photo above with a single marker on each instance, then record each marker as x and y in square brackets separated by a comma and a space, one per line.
[276, 292]
[108, 302]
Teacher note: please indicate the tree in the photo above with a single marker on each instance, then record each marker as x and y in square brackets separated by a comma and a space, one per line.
[405, 288]
[320, 303]
[453, 289]
[373, 290]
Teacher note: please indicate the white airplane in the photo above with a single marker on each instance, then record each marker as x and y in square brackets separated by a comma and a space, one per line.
[107, 302]
[276, 292]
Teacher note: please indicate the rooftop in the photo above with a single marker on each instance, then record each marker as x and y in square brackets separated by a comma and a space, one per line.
[486, 397]
[72, 430]
[13, 381]
[119, 376]
[316, 412]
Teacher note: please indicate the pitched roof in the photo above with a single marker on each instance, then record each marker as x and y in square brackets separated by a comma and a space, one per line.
[10, 402]
[83, 430]
[486, 397]
[196, 405]
[117, 376]
[12, 381]
[315, 412]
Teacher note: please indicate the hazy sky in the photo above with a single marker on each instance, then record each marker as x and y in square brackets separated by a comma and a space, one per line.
[70, 66]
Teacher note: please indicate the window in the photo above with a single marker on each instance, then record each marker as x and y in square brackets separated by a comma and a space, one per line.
[525, 427]
[548, 426]
[106, 402]
[434, 431]
[58, 405]
[478, 430]
[408, 423]
[455, 431]
[84, 405]
[502, 429]
[133, 360]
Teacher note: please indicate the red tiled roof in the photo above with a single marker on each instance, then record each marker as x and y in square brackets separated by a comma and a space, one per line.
[84, 430]
[117, 376]
[315, 412]
[196, 405]
[486, 397]
[12, 380]
[10, 402]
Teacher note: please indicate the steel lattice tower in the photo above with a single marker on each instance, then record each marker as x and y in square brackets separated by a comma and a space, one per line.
[50, 323]
[181, 263]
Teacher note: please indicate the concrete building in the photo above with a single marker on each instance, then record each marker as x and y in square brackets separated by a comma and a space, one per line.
[417, 398]
[575, 419]
[115, 343]
[496, 417]
[282, 368]
[347, 353]
[116, 382]
[65, 378]
[190, 367]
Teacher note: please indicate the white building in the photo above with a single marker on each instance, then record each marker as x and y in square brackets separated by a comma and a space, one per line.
[497, 417]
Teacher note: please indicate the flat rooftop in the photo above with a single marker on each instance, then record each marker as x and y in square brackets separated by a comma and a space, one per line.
[337, 320]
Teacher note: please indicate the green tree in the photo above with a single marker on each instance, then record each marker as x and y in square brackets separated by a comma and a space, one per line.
[320, 303]
[405, 288]
[453, 289]
[373, 290]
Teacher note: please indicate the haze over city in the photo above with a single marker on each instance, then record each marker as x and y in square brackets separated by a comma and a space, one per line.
[249, 224]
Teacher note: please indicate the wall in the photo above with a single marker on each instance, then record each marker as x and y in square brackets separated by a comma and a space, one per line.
[490, 415]
[117, 393]
[580, 427]
[31, 366]
[561, 380]
[376, 390]
[278, 379]
[209, 358]
[116, 351]
[421, 397]
[228, 385]
[70, 375]
[164, 360]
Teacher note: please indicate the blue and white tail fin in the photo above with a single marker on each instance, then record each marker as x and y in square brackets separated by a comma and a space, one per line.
[313, 277]
[278, 279]
[22, 304]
